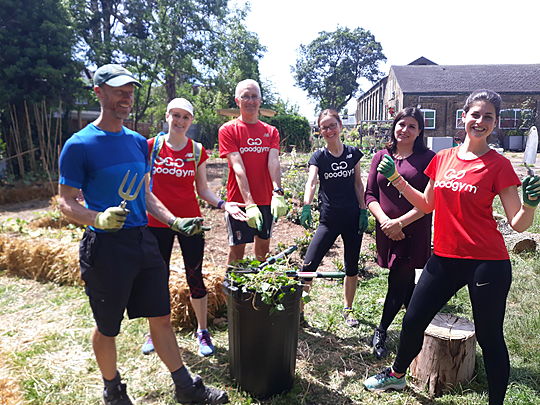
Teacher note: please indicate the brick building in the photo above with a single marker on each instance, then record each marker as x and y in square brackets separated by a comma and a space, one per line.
[440, 91]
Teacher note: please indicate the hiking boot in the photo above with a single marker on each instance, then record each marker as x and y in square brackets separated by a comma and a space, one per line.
[384, 381]
[206, 348]
[116, 395]
[349, 318]
[379, 343]
[148, 346]
[198, 393]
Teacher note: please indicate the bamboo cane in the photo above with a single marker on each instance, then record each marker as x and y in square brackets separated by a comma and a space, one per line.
[16, 138]
[29, 141]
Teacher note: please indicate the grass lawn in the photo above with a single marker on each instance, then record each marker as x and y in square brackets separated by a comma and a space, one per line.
[45, 338]
[46, 356]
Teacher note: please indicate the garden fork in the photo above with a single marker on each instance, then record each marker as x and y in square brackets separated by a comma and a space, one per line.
[127, 194]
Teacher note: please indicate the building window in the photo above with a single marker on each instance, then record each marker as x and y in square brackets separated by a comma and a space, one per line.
[514, 117]
[459, 122]
[429, 119]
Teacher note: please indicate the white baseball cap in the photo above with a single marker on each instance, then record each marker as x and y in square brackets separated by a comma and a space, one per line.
[181, 103]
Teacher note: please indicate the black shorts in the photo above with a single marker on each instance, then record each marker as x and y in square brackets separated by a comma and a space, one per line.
[240, 232]
[123, 270]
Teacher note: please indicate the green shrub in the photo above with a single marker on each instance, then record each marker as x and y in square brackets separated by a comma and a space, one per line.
[294, 130]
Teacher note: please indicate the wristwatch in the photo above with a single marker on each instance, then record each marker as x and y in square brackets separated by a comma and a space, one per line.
[279, 191]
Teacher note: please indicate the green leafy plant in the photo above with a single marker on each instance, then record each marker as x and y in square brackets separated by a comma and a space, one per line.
[270, 283]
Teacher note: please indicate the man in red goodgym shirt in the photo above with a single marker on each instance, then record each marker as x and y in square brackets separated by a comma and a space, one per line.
[252, 151]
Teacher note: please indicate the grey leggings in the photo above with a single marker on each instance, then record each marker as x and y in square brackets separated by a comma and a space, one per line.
[488, 282]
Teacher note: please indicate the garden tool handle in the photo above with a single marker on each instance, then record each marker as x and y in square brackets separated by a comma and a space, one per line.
[316, 274]
[275, 258]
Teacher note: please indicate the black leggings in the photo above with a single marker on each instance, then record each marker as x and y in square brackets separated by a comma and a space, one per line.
[324, 238]
[488, 282]
[192, 252]
[400, 289]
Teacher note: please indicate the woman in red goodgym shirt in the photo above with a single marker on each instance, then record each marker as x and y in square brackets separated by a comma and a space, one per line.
[468, 248]
[179, 167]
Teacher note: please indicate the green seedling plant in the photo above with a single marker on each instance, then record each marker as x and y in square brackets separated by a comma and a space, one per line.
[271, 282]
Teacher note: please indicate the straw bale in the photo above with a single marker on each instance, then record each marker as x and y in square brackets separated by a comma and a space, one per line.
[51, 260]
[10, 392]
[182, 315]
[9, 195]
[55, 221]
[40, 259]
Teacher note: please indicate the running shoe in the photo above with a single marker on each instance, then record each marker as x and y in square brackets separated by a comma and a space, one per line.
[349, 318]
[379, 343]
[148, 346]
[206, 348]
[384, 381]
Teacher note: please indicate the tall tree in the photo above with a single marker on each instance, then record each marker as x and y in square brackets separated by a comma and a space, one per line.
[164, 41]
[238, 57]
[36, 58]
[329, 67]
[97, 23]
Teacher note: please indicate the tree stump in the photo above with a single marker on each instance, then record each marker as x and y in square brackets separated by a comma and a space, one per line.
[447, 357]
[520, 242]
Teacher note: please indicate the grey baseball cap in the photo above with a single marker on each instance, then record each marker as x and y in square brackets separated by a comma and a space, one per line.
[114, 76]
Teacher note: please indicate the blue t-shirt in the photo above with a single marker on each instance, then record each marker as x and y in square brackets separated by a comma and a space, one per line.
[96, 162]
[337, 195]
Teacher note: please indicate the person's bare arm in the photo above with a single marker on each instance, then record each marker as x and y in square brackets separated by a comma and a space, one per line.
[359, 186]
[203, 191]
[520, 216]
[311, 184]
[237, 164]
[274, 168]
[155, 207]
[72, 209]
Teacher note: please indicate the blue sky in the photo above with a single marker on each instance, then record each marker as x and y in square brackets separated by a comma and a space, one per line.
[448, 33]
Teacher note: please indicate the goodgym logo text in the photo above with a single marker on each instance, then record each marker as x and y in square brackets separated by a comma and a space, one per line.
[452, 182]
[254, 146]
[339, 170]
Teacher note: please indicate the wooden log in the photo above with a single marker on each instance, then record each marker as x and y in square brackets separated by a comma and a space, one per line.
[447, 357]
[516, 242]
[520, 242]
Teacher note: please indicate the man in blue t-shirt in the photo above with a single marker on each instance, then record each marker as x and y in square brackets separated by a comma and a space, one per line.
[120, 261]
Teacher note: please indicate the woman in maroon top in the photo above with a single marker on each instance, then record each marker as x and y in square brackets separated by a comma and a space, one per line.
[403, 233]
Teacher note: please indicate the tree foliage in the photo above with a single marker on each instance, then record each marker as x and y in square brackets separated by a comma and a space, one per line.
[294, 130]
[329, 67]
[175, 44]
[36, 58]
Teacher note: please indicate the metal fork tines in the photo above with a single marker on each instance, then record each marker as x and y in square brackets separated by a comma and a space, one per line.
[127, 194]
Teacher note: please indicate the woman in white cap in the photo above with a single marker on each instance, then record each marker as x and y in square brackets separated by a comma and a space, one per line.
[178, 167]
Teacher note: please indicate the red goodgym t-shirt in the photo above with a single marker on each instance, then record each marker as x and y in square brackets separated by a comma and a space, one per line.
[174, 181]
[464, 190]
[253, 142]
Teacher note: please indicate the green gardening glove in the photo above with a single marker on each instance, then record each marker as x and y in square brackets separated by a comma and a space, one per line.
[112, 219]
[278, 207]
[305, 217]
[531, 191]
[363, 221]
[255, 218]
[188, 226]
[387, 168]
